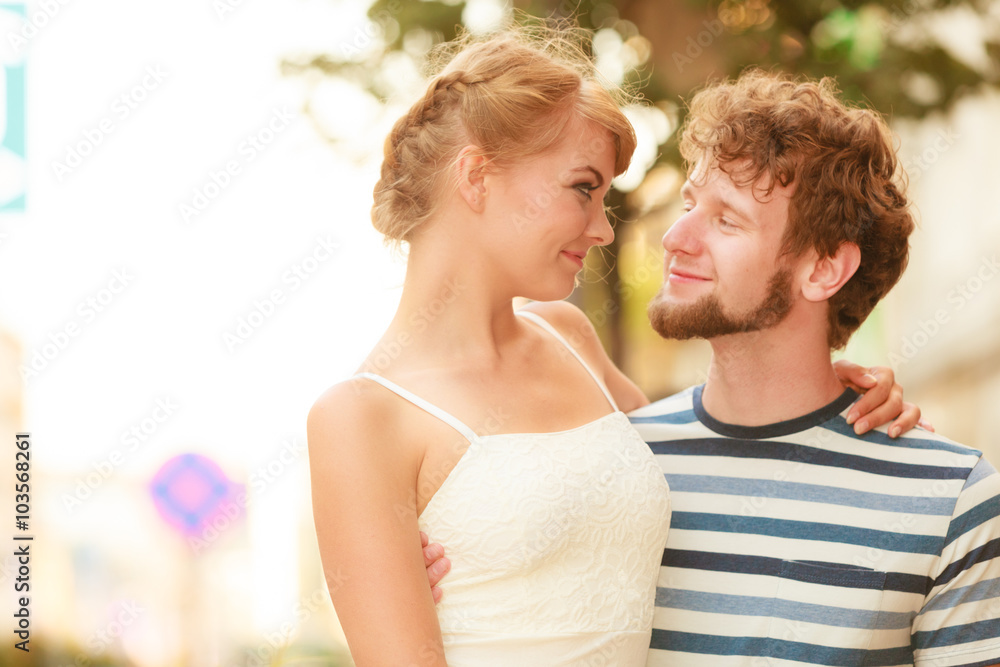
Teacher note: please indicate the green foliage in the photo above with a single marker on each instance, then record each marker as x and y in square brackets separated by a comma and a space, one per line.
[882, 54]
[442, 18]
[878, 51]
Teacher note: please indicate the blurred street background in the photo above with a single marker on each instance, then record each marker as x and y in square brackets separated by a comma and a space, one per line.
[187, 262]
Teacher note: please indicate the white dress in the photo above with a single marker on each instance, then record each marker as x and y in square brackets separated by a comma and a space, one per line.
[555, 541]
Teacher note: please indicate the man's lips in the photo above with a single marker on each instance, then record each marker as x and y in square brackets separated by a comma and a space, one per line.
[679, 276]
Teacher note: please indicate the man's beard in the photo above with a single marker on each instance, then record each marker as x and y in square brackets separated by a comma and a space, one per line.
[706, 319]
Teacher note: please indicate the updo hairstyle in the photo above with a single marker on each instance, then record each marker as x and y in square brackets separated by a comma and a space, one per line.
[510, 94]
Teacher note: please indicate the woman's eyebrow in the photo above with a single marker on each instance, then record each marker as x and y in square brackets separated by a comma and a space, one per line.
[597, 174]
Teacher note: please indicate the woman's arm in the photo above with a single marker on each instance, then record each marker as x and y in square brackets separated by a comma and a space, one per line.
[882, 401]
[364, 507]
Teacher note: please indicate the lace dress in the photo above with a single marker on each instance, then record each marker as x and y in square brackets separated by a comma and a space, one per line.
[555, 541]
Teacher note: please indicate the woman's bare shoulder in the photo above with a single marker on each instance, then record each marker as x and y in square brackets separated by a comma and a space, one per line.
[569, 321]
[578, 330]
[574, 325]
[351, 418]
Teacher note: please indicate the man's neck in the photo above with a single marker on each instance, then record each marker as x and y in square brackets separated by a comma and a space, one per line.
[768, 376]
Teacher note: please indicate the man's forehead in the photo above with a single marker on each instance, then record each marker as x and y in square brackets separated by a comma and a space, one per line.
[740, 174]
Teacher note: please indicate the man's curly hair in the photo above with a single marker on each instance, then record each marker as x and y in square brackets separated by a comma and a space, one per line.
[843, 165]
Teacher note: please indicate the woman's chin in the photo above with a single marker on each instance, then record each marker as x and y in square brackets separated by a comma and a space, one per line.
[550, 292]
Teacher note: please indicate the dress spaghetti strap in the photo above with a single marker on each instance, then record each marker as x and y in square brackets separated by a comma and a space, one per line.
[424, 405]
[540, 321]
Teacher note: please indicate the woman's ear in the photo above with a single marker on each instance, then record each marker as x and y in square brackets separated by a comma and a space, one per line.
[826, 275]
[470, 170]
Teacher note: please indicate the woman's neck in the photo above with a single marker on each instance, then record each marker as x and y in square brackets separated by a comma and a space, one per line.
[449, 311]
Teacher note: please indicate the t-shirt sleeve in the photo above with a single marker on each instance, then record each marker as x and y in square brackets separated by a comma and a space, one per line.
[959, 624]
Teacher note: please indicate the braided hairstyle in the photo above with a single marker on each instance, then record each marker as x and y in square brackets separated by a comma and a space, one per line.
[511, 95]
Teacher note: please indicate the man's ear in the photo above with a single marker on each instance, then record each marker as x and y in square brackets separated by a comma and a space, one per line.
[824, 276]
[470, 168]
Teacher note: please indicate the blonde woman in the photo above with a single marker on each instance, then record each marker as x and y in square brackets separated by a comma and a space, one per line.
[502, 434]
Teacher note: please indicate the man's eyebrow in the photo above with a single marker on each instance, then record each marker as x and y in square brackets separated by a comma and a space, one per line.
[597, 174]
[739, 211]
[687, 190]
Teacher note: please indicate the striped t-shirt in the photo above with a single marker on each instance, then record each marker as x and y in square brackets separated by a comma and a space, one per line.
[803, 543]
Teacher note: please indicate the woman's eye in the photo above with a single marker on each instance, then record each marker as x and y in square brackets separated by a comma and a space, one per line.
[585, 189]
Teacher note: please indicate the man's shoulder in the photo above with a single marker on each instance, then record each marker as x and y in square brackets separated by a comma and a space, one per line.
[676, 405]
[969, 464]
[671, 418]
[918, 440]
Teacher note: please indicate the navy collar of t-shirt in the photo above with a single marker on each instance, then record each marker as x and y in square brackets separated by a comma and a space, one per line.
[796, 425]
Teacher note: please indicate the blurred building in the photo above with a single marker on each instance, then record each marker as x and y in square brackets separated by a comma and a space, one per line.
[941, 321]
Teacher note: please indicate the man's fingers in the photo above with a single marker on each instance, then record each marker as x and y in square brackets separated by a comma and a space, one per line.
[437, 571]
[432, 553]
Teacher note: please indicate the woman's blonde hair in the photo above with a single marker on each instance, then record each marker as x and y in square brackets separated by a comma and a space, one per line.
[511, 95]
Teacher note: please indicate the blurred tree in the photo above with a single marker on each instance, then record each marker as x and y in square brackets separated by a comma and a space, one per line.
[900, 56]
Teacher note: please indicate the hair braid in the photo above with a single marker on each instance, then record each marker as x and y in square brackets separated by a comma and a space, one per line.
[510, 95]
[400, 188]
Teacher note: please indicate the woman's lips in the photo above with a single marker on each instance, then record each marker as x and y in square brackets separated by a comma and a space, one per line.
[574, 257]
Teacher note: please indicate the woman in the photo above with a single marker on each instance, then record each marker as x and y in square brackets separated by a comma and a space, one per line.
[501, 434]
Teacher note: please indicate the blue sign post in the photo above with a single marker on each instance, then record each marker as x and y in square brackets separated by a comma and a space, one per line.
[194, 496]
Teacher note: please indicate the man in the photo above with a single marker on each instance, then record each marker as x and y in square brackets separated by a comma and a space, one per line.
[794, 540]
